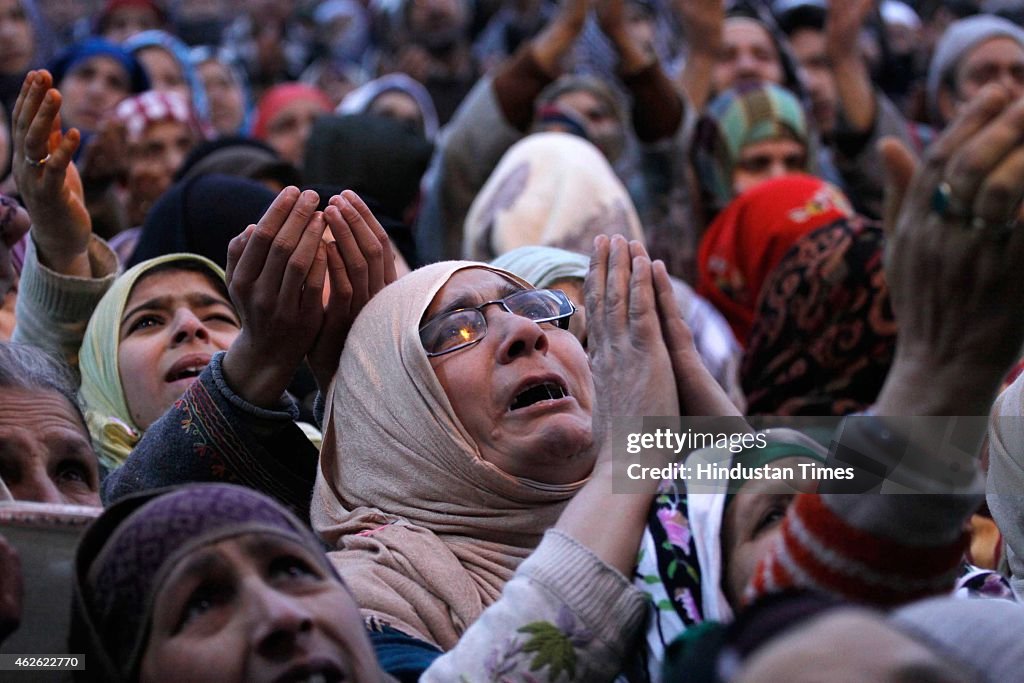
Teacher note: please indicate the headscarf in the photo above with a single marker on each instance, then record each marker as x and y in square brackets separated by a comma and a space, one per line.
[824, 333]
[751, 235]
[681, 551]
[359, 100]
[129, 551]
[180, 52]
[240, 157]
[204, 53]
[956, 42]
[1005, 482]
[351, 43]
[97, 47]
[140, 111]
[740, 117]
[201, 216]
[544, 266]
[425, 532]
[275, 99]
[551, 189]
[114, 432]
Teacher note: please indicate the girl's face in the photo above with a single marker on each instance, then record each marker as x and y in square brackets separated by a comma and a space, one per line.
[751, 524]
[165, 74]
[152, 162]
[256, 607]
[173, 323]
[288, 131]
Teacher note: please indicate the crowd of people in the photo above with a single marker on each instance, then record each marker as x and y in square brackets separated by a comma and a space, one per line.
[334, 310]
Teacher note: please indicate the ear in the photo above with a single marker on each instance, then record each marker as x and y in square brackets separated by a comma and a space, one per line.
[948, 104]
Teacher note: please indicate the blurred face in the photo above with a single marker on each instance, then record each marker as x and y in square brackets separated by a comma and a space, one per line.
[809, 49]
[125, 22]
[91, 90]
[853, 646]
[499, 387]
[599, 117]
[45, 452]
[397, 105]
[227, 103]
[173, 323]
[748, 55]
[256, 607]
[436, 21]
[17, 40]
[751, 524]
[761, 161]
[164, 72]
[288, 131]
[997, 60]
[154, 159]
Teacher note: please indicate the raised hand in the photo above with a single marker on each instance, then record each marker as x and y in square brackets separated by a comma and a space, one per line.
[703, 22]
[47, 179]
[631, 363]
[843, 26]
[611, 17]
[360, 262]
[558, 37]
[275, 275]
[953, 258]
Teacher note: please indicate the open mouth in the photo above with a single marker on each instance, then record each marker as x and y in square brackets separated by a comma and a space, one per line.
[187, 368]
[184, 373]
[547, 391]
[318, 673]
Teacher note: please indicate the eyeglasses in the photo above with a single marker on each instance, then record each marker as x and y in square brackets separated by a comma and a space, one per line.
[464, 327]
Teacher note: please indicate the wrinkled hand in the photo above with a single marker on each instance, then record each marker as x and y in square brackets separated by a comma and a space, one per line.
[11, 589]
[843, 26]
[700, 395]
[632, 368]
[52, 192]
[557, 39]
[275, 275]
[360, 262]
[702, 21]
[955, 280]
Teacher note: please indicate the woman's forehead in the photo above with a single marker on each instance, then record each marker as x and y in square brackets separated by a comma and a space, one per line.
[175, 281]
[471, 284]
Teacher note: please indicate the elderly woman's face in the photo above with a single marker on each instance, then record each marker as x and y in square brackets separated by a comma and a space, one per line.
[497, 386]
[173, 323]
[45, 452]
[761, 161]
[256, 607]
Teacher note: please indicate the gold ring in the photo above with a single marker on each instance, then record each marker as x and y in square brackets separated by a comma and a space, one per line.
[36, 164]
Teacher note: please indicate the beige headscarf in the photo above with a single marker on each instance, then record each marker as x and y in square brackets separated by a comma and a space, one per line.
[424, 531]
[551, 189]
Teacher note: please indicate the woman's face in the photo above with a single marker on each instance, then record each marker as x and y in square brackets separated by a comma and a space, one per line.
[546, 439]
[288, 131]
[751, 524]
[400, 106]
[17, 39]
[256, 607]
[164, 72]
[573, 288]
[127, 20]
[91, 89]
[173, 323]
[45, 452]
[227, 103]
[748, 55]
[153, 160]
[761, 161]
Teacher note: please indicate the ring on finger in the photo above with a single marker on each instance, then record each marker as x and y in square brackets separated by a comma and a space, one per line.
[947, 205]
[36, 163]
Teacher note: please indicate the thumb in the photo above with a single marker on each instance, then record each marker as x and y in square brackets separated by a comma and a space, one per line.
[900, 165]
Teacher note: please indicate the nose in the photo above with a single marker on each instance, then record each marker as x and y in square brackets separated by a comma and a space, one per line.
[188, 327]
[281, 622]
[1012, 83]
[778, 169]
[518, 336]
[36, 486]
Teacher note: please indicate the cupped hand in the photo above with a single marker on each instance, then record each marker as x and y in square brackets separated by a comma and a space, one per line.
[275, 275]
[954, 249]
[47, 179]
[360, 262]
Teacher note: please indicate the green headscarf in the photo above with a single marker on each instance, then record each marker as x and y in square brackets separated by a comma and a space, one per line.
[114, 433]
[544, 266]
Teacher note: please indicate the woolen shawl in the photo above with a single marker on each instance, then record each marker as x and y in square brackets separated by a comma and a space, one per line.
[423, 530]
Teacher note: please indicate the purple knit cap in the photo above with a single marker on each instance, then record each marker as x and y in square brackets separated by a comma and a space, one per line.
[129, 551]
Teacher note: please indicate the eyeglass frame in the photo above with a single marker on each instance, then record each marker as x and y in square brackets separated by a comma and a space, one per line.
[561, 321]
